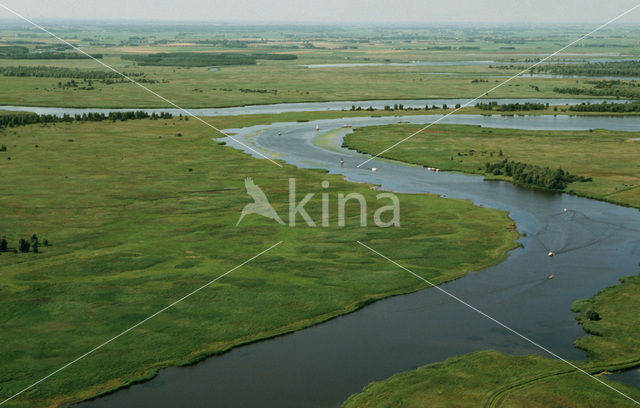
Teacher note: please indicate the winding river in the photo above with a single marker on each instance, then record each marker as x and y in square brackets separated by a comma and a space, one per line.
[302, 106]
[595, 242]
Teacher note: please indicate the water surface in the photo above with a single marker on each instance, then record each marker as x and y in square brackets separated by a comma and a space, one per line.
[302, 106]
[595, 244]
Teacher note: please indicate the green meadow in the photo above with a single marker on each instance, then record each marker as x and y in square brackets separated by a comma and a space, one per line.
[266, 82]
[491, 379]
[141, 213]
[138, 214]
[610, 158]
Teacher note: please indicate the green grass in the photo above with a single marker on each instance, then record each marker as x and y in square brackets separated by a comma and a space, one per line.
[617, 333]
[492, 379]
[609, 157]
[132, 230]
[199, 87]
[194, 87]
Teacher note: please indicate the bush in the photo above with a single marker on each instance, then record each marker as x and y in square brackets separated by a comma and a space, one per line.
[24, 245]
[533, 175]
[592, 315]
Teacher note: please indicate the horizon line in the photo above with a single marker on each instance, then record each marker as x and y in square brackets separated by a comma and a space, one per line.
[298, 22]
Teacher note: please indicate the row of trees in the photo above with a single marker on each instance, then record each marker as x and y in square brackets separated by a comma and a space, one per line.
[621, 92]
[532, 175]
[61, 72]
[399, 106]
[276, 57]
[28, 118]
[512, 107]
[24, 245]
[606, 107]
[198, 59]
[621, 89]
[22, 52]
[191, 59]
[616, 68]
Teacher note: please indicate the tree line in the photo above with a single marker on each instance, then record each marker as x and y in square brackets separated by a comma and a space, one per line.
[511, 107]
[24, 245]
[277, 57]
[606, 107]
[617, 88]
[617, 68]
[21, 52]
[533, 175]
[198, 59]
[28, 118]
[60, 72]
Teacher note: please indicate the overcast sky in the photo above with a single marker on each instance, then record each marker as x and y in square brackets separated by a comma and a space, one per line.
[322, 11]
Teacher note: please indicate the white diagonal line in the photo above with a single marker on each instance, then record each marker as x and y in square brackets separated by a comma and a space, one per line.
[501, 84]
[138, 324]
[188, 113]
[454, 297]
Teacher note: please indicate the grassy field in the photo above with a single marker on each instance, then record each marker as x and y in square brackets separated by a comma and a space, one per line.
[140, 213]
[290, 81]
[266, 82]
[609, 157]
[492, 379]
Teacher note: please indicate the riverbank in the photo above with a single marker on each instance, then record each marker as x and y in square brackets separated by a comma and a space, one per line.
[145, 211]
[606, 156]
[399, 107]
[394, 334]
[492, 379]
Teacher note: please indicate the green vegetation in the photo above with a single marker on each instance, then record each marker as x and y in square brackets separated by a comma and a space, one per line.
[611, 320]
[28, 118]
[612, 166]
[532, 175]
[492, 379]
[22, 52]
[186, 59]
[179, 58]
[274, 57]
[24, 245]
[616, 68]
[606, 107]
[191, 59]
[198, 87]
[142, 212]
[512, 107]
[45, 71]
[141, 216]
[614, 87]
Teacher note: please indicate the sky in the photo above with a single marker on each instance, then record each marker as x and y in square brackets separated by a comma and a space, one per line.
[328, 11]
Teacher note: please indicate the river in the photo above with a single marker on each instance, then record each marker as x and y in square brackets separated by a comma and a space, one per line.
[302, 106]
[595, 244]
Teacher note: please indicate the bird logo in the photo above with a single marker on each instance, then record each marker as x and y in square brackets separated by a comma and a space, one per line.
[260, 204]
